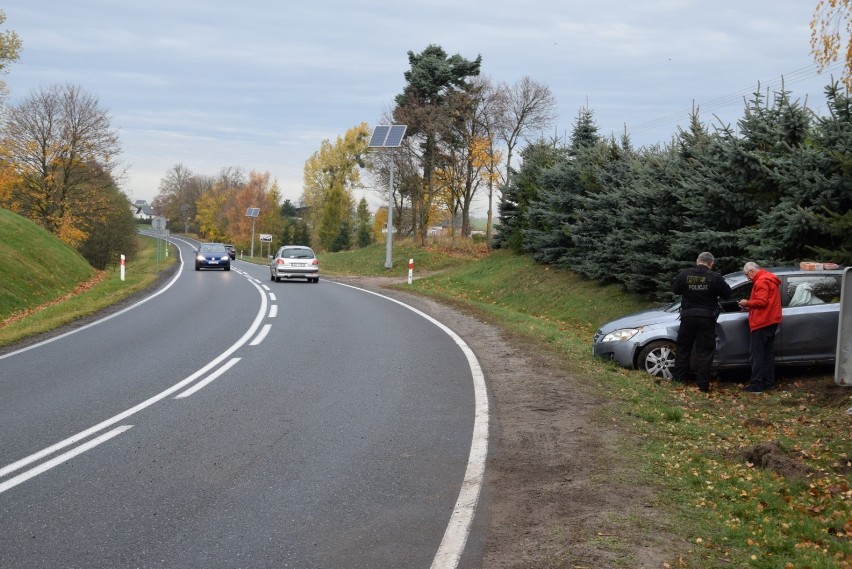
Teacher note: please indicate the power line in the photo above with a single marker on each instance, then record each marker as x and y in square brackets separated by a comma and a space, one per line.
[774, 85]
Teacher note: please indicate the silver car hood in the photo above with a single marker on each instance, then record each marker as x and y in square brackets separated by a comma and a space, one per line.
[651, 317]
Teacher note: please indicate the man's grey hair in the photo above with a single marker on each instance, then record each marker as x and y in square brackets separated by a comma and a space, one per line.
[751, 265]
[706, 258]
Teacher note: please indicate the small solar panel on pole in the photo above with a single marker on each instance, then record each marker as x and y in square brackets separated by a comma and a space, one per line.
[388, 136]
[252, 212]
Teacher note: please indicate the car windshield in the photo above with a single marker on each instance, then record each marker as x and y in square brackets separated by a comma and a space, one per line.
[212, 248]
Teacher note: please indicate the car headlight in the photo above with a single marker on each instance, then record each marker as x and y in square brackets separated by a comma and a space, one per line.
[621, 335]
[199, 257]
[226, 257]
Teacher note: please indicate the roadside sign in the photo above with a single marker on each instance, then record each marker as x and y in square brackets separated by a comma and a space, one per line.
[158, 223]
[266, 237]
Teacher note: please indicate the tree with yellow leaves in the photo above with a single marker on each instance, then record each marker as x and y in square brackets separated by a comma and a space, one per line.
[262, 192]
[216, 207]
[10, 50]
[831, 31]
[330, 175]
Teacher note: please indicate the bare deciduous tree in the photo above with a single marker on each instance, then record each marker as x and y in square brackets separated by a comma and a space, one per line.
[62, 151]
[524, 107]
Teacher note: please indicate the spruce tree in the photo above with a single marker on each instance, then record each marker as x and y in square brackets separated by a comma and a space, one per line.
[548, 235]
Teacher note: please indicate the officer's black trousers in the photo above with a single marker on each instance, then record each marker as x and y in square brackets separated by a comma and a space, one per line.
[698, 333]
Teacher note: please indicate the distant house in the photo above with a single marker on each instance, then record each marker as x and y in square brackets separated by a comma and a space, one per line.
[141, 210]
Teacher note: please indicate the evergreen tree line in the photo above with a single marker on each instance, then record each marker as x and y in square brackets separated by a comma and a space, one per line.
[776, 191]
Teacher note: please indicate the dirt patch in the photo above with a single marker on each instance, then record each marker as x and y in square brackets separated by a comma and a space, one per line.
[771, 456]
[559, 494]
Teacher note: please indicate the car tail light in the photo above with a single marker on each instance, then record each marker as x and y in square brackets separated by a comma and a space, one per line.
[315, 262]
[279, 262]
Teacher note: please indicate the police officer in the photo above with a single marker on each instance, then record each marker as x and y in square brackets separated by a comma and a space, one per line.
[700, 288]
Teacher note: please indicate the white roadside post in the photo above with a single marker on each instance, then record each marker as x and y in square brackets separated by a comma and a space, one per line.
[410, 270]
[122, 267]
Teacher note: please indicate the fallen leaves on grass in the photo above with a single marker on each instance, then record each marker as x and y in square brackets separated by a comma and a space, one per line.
[79, 289]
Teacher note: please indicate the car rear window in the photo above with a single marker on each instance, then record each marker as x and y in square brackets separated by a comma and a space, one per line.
[297, 254]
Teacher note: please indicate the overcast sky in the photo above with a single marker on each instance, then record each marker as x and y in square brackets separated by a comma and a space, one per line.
[259, 84]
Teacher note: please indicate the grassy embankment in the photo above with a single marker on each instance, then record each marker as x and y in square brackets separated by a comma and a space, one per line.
[45, 283]
[703, 452]
[734, 513]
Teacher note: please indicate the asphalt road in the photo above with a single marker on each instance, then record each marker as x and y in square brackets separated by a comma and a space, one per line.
[230, 421]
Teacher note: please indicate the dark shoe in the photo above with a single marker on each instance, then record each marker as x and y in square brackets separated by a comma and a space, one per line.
[752, 389]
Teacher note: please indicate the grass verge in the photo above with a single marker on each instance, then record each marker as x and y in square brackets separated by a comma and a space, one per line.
[751, 481]
[94, 291]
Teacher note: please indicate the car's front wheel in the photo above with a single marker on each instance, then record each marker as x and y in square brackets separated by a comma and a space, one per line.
[657, 358]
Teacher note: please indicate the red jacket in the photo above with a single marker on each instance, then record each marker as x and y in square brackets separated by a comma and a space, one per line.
[764, 304]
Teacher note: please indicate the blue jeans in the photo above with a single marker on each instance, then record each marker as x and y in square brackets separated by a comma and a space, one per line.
[763, 357]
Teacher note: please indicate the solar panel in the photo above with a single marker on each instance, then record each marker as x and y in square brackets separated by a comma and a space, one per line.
[395, 135]
[253, 212]
[379, 135]
[387, 136]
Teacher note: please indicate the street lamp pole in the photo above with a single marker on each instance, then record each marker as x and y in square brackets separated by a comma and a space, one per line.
[389, 241]
[252, 212]
[388, 136]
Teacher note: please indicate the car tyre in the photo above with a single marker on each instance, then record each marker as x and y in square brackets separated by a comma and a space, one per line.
[657, 358]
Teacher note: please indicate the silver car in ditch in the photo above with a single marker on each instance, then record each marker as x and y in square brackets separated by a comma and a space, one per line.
[807, 335]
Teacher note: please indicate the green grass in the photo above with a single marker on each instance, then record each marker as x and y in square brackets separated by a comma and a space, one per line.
[732, 512]
[438, 255]
[34, 267]
[37, 270]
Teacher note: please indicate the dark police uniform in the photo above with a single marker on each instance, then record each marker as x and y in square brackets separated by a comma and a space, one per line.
[701, 290]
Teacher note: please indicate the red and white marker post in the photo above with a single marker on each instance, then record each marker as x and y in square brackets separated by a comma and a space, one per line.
[410, 270]
[122, 267]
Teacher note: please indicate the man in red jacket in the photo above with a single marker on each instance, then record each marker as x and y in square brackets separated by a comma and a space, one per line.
[764, 315]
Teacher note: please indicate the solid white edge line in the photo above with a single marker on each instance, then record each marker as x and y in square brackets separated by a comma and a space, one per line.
[208, 379]
[56, 461]
[133, 410]
[105, 318]
[458, 529]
